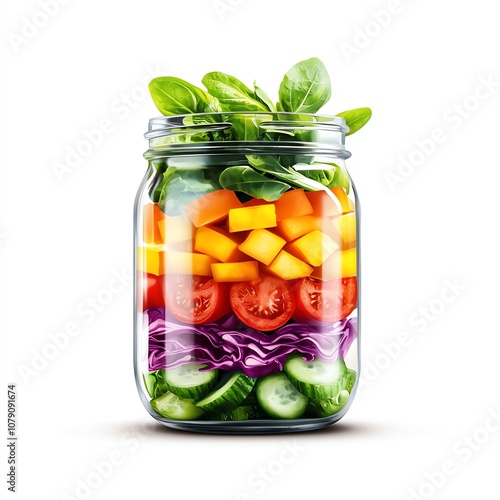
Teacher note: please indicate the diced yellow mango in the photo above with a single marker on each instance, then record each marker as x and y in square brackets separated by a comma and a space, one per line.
[262, 245]
[236, 271]
[288, 267]
[295, 227]
[216, 243]
[342, 264]
[346, 228]
[313, 248]
[259, 217]
[176, 229]
[346, 203]
[189, 263]
[151, 259]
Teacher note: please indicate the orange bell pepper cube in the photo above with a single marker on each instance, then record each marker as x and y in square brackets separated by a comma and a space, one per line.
[259, 217]
[295, 227]
[152, 216]
[212, 207]
[262, 245]
[342, 264]
[346, 203]
[288, 267]
[218, 244]
[313, 248]
[324, 203]
[292, 204]
[236, 271]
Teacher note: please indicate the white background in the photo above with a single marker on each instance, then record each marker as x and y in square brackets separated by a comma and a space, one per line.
[62, 238]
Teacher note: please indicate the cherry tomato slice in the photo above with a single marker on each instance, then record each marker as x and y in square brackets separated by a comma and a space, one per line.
[264, 304]
[196, 299]
[325, 300]
[149, 291]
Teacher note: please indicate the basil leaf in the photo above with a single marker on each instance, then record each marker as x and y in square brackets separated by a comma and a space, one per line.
[305, 87]
[263, 97]
[181, 187]
[356, 118]
[232, 94]
[173, 96]
[248, 181]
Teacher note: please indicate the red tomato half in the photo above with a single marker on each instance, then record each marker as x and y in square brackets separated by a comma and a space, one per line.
[264, 304]
[196, 299]
[150, 291]
[325, 300]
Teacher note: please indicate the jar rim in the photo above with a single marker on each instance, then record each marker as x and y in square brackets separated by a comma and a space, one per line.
[205, 133]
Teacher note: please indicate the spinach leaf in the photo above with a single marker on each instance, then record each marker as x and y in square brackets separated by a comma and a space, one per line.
[248, 181]
[305, 87]
[328, 174]
[173, 96]
[263, 97]
[270, 165]
[232, 94]
[181, 186]
[356, 118]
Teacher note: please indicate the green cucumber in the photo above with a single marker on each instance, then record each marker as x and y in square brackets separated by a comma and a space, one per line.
[189, 382]
[279, 398]
[155, 383]
[328, 407]
[351, 380]
[171, 406]
[244, 412]
[232, 389]
[317, 379]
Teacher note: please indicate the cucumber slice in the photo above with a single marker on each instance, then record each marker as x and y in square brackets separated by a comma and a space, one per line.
[279, 398]
[328, 407]
[351, 380]
[155, 383]
[232, 389]
[317, 379]
[189, 382]
[171, 406]
[244, 412]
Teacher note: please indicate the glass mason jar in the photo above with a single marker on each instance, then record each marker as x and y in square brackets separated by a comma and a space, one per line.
[246, 273]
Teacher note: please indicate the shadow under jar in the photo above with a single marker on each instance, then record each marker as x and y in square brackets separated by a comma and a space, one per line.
[246, 273]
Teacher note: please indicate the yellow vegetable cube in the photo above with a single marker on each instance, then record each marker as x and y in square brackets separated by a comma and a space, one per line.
[342, 264]
[314, 248]
[262, 245]
[176, 229]
[258, 217]
[151, 259]
[345, 225]
[288, 267]
[217, 244]
[236, 271]
[189, 263]
[294, 227]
